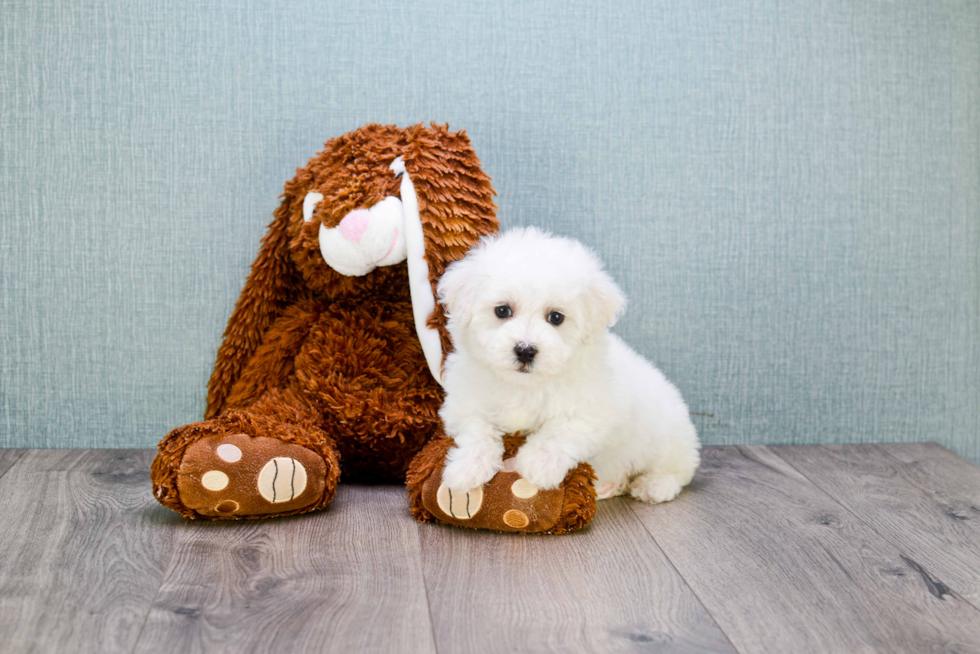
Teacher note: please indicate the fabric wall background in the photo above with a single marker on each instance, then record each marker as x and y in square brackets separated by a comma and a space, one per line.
[789, 191]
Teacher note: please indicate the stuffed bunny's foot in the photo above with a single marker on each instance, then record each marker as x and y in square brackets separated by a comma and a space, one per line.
[205, 471]
[508, 502]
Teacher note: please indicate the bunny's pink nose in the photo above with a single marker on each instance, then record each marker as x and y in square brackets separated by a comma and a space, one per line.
[354, 224]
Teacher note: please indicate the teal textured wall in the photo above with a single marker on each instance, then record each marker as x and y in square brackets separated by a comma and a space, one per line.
[789, 191]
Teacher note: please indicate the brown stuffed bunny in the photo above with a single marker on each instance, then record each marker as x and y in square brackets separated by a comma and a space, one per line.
[335, 347]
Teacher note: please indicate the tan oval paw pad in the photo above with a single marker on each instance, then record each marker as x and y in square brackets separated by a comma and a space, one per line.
[516, 519]
[214, 480]
[523, 489]
[228, 452]
[227, 506]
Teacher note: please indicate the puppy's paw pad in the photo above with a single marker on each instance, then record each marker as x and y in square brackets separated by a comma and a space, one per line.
[656, 488]
[606, 489]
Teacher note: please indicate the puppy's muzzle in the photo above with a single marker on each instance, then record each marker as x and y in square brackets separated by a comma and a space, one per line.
[525, 354]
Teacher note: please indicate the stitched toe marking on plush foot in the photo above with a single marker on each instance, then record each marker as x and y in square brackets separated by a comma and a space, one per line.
[461, 506]
[282, 480]
[238, 475]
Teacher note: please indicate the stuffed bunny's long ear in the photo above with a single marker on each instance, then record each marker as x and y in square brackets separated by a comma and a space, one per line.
[423, 302]
[455, 207]
[271, 286]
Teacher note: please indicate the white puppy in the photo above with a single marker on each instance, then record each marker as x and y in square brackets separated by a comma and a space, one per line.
[529, 315]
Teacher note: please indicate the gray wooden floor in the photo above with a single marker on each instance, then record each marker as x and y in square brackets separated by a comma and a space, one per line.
[772, 549]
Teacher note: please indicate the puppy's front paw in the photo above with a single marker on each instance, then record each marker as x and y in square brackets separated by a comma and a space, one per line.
[655, 488]
[468, 468]
[607, 489]
[541, 467]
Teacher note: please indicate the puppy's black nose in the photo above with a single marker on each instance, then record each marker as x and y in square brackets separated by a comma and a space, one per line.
[525, 353]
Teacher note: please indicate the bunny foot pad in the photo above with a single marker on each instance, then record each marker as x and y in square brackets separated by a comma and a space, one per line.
[506, 503]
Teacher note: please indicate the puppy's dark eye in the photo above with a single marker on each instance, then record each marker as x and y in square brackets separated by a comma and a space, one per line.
[556, 318]
[503, 311]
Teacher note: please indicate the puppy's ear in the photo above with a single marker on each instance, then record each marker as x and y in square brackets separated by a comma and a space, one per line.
[459, 288]
[604, 303]
[272, 285]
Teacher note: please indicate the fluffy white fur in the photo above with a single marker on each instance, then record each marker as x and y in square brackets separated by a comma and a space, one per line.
[585, 396]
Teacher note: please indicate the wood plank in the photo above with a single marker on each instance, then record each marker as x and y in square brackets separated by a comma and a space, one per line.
[347, 579]
[921, 497]
[783, 567]
[606, 589]
[82, 551]
[8, 458]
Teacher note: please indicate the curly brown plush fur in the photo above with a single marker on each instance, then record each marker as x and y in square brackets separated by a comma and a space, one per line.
[261, 421]
[575, 509]
[328, 362]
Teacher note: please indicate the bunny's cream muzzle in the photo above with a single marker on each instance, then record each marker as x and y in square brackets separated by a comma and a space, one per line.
[384, 235]
[365, 239]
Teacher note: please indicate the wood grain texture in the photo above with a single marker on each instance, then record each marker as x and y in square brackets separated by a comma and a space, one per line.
[82, 551]
[757, 556]
[783, 567]
[921, 497]
[8, 458]
[344, 580]
[606, 589]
